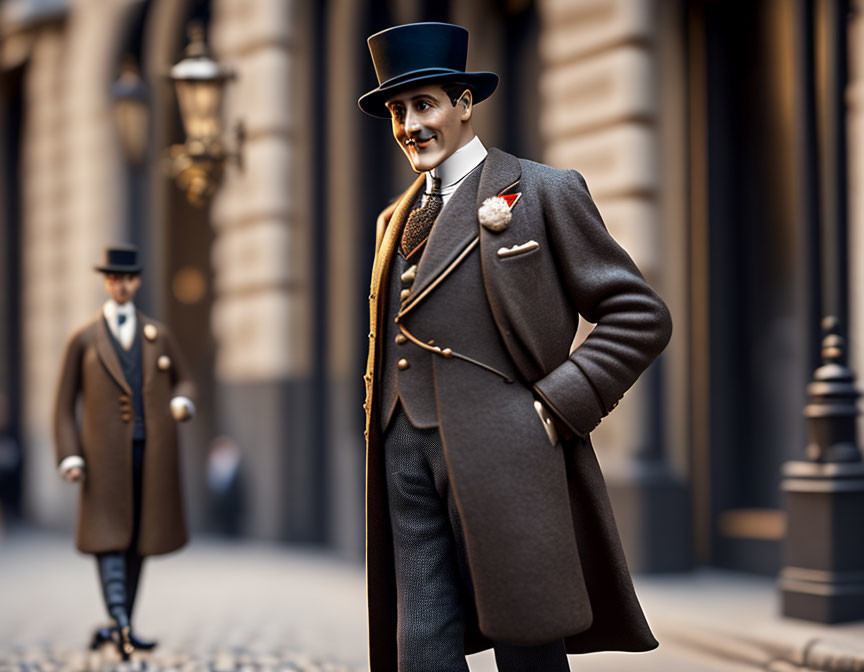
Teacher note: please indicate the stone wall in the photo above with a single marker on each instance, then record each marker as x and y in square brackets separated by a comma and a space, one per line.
[72, 192]
[600, 115]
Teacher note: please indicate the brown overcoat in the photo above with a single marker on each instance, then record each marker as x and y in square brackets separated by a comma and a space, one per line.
[103, 438]
[542, 545]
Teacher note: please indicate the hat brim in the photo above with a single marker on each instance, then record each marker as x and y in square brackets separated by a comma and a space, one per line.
[483, 85]
[118, 269]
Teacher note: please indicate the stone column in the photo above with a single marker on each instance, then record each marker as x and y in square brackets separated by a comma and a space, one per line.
[71, 177]
[262, 312]
[601, 109]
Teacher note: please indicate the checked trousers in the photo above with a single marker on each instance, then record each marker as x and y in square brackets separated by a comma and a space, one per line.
[433, 581]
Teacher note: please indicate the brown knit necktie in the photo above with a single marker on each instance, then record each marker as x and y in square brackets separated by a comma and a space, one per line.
[420, 220]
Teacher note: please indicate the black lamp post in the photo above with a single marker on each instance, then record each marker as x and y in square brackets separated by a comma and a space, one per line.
[823, 575]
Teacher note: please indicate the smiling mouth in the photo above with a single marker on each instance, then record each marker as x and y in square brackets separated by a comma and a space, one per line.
[420, 143]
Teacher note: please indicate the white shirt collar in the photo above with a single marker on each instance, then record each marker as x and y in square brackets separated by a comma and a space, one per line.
[111, 309]
[456, 167]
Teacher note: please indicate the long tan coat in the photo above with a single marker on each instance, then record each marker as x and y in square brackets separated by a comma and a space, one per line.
[92, 372]
[542, 545]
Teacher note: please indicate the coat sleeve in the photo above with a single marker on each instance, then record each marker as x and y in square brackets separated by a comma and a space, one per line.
[181, 379]
[633, 325]
[67, 440]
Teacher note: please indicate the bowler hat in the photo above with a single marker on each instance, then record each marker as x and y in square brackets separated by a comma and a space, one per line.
[418, 53]
[120, 259]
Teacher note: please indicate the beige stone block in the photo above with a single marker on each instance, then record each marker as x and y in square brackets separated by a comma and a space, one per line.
[261, 94]
[573, 29]
[261, 187]
[258, 255]
[620, 161]
[634, 223]
[241, 26]
[612, 87]
[263, 336]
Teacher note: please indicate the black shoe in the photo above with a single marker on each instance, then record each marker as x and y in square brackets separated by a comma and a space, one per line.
[100, 637]
[141, 644]
[120, 637]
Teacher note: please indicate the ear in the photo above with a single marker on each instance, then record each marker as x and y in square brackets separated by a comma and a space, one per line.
[466, 105]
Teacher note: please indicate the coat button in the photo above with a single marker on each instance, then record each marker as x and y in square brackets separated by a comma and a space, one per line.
[400, 339]
[403, 364]
[163, 363]
[126, 417]
[150, 332]
[408, 276]
[404, 294]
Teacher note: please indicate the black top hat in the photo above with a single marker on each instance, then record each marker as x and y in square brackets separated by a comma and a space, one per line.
[418, 53]
[120, 259]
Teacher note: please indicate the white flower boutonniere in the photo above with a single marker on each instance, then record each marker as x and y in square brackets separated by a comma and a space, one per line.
[495, 214]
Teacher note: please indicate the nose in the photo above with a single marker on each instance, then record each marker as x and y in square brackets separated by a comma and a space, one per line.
[412, 123]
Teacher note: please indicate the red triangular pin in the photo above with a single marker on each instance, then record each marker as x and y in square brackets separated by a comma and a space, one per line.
[511, 199]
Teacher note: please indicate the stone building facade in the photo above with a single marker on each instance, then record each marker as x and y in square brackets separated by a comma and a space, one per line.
[266, 285]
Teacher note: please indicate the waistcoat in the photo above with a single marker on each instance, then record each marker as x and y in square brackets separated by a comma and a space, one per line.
[414, 386]
[130, 362]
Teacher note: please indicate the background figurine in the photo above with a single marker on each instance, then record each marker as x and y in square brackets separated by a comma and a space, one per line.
[488, 522]
[134, 386]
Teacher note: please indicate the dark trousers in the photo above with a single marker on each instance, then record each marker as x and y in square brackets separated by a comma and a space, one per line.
[432, 576]
[120, 571]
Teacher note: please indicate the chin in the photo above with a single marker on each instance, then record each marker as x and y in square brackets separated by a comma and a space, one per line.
[423, 163]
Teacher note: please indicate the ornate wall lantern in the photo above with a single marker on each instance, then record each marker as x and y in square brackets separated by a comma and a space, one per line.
[131, 112]
[199, 80]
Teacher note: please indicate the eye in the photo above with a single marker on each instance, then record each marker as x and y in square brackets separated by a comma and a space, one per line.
[398, 112]
[423, 105]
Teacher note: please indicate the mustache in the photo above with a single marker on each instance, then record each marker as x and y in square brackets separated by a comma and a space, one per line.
[420, 136]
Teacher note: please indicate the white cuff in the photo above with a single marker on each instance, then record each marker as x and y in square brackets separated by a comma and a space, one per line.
[69, 463]
[183, 402]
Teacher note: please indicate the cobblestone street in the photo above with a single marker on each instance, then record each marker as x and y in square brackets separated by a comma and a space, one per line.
[249, 607]
[214, 606]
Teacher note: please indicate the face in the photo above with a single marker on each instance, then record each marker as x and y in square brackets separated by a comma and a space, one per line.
[122, 286]
[427, 126]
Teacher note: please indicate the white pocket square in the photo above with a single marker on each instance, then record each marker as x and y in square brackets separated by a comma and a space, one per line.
[518, 249]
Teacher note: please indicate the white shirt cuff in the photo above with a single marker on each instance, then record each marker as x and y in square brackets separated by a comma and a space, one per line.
[185, 402]
[68, 463]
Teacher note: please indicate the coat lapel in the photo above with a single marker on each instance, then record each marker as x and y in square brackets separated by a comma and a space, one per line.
[381, 267]
[501, 173]
[454, 230]
[148, 349]
[108, 355]
[457, 229]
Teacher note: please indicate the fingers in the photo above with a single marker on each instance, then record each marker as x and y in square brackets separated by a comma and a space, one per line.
[74, 474]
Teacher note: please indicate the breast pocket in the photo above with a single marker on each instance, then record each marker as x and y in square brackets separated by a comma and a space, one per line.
[518, 250]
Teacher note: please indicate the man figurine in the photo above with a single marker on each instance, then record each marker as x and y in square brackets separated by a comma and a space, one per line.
[130, 376]
[488, 522]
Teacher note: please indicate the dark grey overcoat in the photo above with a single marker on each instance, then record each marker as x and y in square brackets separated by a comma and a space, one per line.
[92, 373]
[542, 545]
